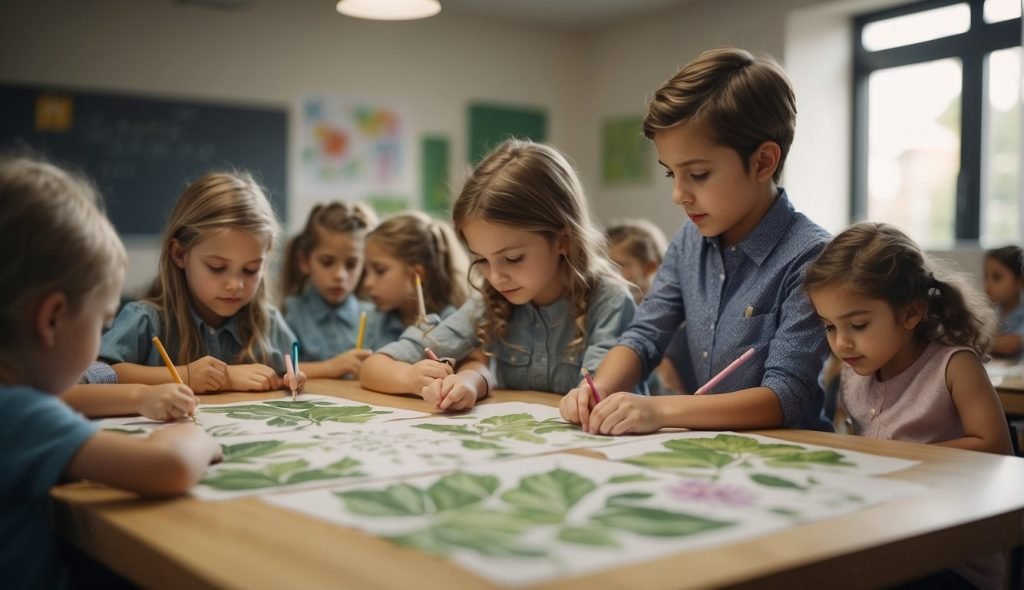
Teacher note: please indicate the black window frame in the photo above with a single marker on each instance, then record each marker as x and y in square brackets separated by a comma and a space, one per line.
[971, 48]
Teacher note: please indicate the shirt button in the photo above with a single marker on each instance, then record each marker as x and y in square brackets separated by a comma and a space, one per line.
[705, 354]
[733, 249]
[712, 325]
[872, 411]
[211, 331]
[721, 277]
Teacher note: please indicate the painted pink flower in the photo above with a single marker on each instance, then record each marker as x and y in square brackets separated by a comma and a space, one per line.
[698, 490]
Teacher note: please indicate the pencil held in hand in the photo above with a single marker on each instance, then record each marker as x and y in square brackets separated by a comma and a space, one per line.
[362, 331]
[725, 372]
[590, 382]
[289, 371]
[170, 367]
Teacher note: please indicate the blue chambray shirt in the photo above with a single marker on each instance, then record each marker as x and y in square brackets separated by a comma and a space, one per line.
[99, 373]
[385, 327]
[129, 340]
[324, 331]
[712, 289]
[533, 355]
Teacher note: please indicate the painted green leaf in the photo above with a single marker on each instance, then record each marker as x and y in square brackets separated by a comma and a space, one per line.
[479, 445]
[555, 491]
[395, 500]
[237, 480]
[535, 516]
[508, 418]
[654, 522]
[772, 450]
[682, 459]
[726, 443]
[445, 540]
[516, 435]
[241, 452]
[556, 425]
[449, 428]
[803, 459]
[296, 405]
[285, 421]
[279, 471]
[774, 481]
[627, 498]
[458, 490]
[629, 478]
[126, 430]
[350, 414]
[596, 536]
[347, 467]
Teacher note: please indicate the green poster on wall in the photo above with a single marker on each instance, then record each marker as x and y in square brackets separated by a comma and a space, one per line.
[435, 150]
[625, 152]
[491, 124]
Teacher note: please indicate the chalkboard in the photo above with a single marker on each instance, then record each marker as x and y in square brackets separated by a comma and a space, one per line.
[141, 152]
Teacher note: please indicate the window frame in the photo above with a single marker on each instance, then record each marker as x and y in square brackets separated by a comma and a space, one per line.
[972, 48]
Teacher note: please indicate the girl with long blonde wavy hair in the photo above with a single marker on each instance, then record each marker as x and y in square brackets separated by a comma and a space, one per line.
[209, 303]
[549, 304]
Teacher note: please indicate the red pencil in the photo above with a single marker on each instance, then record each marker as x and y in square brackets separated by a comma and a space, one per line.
[725, 372]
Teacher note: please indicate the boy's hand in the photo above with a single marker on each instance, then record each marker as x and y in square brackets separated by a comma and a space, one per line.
[422, 373]
[454, 392]
[206, 374]
[576, 405]
[253, 377]
[624, 413]
[167, 401]
[349, 362]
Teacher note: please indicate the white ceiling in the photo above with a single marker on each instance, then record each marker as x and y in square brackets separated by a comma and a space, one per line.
[566, 14]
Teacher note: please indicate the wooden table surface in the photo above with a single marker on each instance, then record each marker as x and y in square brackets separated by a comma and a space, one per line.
[975, 504]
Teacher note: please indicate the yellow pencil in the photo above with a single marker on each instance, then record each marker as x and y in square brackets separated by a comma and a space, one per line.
[170, 366]
[362, 330]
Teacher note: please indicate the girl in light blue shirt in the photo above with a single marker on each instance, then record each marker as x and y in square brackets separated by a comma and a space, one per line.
[209, 303]
[550, 301]
[1004, 285]
[403, 247]
[322, 268]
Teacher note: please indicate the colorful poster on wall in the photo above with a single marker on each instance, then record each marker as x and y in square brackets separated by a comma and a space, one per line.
[625, 152]
[355, 149]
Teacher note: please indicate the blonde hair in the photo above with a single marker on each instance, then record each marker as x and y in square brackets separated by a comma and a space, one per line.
[879, 261]
[641, 239]
[339, 217]
[418, 239]
[55, 239]
[740, 100]
[216, 202]
[532, 187]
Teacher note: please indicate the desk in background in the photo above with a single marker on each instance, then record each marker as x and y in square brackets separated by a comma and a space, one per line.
[974, 505]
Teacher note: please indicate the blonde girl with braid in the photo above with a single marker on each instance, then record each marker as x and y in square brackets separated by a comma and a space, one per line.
[401, 248]
[209, 304]
[549, 303]
[322, 269]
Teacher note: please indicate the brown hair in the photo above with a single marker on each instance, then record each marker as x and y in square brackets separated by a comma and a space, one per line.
[417, 239]
[532, 187]
[336, 216]
[215, 202]
[55, 239]
[740, 100]
[1011, 257]
[877, 260]
[642, 239]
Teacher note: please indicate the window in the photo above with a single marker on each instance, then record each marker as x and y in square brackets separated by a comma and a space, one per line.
[936, 146]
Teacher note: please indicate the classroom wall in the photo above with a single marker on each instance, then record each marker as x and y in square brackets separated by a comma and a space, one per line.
[275, 50]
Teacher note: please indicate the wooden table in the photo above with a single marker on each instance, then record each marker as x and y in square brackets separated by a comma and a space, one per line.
[975, 505]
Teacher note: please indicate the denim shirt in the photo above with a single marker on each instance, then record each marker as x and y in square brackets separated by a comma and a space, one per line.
[324, 331]
[129, 340]
[732, 299]
[385, 327]
[534, 354]
[1013, 322]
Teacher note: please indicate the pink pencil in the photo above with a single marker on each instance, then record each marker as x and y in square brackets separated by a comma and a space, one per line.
[725, 372]
[590, 382]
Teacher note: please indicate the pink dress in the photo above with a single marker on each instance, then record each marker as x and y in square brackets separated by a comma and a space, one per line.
[915, 406]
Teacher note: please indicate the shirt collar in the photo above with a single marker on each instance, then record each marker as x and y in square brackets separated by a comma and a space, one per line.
[768, 232]
[230, 326]
[321, 311]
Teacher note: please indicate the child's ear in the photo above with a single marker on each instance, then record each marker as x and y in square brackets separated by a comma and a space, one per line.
[50, 315]
[765, 160]
[177, 254]
[303, 261]
[650, 267]
[562, 243]
[912, 314]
